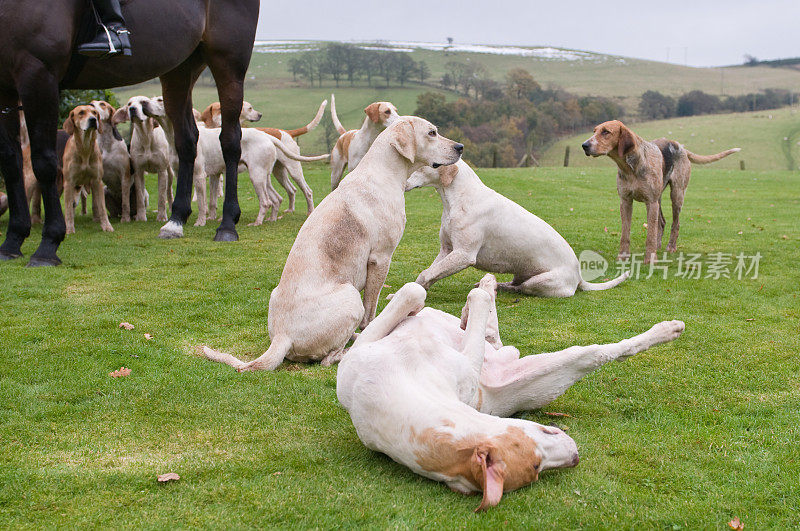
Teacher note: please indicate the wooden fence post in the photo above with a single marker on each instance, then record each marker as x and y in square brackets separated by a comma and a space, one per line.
[566, 157]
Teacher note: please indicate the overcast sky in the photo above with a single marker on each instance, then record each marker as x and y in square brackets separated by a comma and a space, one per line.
[704, 32]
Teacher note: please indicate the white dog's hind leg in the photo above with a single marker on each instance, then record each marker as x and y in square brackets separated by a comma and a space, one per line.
[479, 304]
[511, 385]
[548, 284]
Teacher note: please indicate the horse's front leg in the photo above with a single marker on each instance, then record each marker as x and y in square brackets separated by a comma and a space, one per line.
[177, 90]
[38, 91]
[19, 223]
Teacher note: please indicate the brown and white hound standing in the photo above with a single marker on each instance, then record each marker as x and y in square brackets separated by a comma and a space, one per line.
[645, 170]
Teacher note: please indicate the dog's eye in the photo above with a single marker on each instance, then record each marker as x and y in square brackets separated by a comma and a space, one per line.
[604, 133]
[387, 111]
[431, 133]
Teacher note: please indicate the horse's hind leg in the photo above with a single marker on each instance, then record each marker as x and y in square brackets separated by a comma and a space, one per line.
[38, 91]
[177, 86]
[19, 222]
[227, 49]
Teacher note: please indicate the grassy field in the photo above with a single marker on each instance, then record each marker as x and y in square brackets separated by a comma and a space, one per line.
[687, 435]
[770, 140]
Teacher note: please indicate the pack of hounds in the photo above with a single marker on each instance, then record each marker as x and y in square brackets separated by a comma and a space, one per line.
[433, 391]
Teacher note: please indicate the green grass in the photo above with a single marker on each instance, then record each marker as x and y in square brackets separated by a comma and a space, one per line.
[769, 139]
[687, 435]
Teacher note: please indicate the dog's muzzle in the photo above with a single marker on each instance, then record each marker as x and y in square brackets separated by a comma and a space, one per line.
[586, 148]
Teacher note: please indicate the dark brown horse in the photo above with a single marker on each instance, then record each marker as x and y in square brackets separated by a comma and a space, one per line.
[173, 40]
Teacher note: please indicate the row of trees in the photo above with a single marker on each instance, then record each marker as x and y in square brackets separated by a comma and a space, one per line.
[655, 105]
[507, 123]
[347, 62]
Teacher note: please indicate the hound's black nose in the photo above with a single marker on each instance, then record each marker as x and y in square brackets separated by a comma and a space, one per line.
[93, 122]
[459, 148]
[585, 147]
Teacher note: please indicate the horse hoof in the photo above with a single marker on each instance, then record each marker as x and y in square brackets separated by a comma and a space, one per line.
[226, 235]
[9, 256]
[36, 261]
[171, 230]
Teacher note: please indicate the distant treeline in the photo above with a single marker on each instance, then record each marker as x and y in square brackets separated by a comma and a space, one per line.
[349, 63]
[504, 124]
[655, 106]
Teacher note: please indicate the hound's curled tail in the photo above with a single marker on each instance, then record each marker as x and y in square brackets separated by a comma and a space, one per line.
[296, 156]
[705, 159]
[268, 361]
[599, 286]
[339, 127]
[312, 124]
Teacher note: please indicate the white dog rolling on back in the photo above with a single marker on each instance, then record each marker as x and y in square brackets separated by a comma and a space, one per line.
[431, 396]
[346, 246]
[484, 229]
[352, 145]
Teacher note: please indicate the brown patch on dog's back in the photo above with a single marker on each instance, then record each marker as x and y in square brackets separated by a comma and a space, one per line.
[277, 133]
[343, 233]
[343, 144]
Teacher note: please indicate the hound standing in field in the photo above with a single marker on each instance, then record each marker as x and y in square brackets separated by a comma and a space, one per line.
[429, 391]
[150, 153]
[83, 165]
[287, 165]
[116, 165]
[353, 144]
[259, 155]
[483, 229]
[645, 170]
[346, 246]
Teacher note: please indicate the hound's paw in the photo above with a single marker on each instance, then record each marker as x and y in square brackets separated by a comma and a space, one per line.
[200, 223]
[70, 231]
[623, 255]
[171, 230]
[254, 224]
[125, 219]
[108, 228]
[141, 217]
[668, 330]
[672, 248]
[161, 217]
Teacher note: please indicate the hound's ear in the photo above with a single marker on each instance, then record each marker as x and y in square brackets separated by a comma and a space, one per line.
[626, 141]
[121, 115]
[99, 123]
[447, 174]
[207, 117]
[403, 140]
[492, 475]
[69, 124]
[373, 111]
[197, 116]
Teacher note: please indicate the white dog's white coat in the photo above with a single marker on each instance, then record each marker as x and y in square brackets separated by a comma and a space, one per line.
[486, 230]
[429, 392]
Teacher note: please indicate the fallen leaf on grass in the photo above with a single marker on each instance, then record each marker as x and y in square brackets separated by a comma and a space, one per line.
[386, 286]
[119, 373]
[785, 237]
[277, 473]
[169, 476]
[554, 414]
[749, 319]
[605, 229]
[126, 325]
[148, 336]
[736, 525]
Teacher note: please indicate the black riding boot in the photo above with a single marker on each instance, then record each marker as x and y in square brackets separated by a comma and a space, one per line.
[113, 36]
